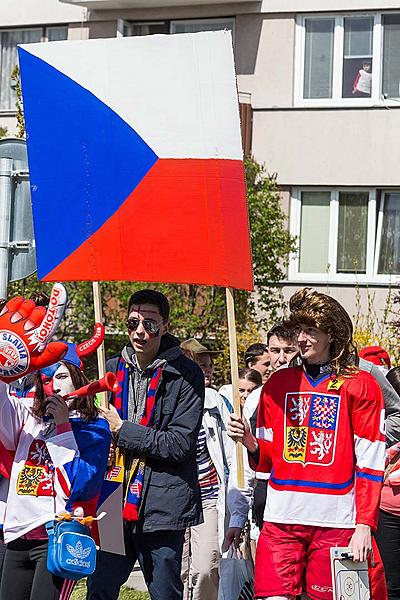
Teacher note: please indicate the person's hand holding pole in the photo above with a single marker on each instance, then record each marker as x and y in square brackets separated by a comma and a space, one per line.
[239, 430]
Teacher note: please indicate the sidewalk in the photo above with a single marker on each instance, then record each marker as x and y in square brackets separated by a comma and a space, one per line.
[136, 581]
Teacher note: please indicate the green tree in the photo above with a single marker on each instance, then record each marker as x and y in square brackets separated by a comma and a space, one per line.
[16, 79]
[270, 239]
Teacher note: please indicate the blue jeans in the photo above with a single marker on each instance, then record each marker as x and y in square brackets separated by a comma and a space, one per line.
[160, 557]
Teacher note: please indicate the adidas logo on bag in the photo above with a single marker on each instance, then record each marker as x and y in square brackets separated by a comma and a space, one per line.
[79, 553]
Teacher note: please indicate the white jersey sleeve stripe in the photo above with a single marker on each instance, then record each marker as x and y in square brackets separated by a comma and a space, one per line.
[370, 455]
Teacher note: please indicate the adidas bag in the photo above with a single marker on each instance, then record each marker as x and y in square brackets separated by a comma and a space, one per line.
[72, 552]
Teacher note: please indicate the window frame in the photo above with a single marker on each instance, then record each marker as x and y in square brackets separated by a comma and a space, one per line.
[376, 98]
[43, 38]
[373, 239]
[382, 277]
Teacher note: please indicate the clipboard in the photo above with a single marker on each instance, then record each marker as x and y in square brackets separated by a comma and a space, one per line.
[349, 579]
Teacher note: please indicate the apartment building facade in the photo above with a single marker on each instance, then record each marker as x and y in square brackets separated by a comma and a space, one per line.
[319, 86]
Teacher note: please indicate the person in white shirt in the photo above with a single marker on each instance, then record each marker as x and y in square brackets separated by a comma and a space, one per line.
[363, 81]
[225, 506]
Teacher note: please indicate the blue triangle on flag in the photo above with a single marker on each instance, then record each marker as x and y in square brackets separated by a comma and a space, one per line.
[84, 160]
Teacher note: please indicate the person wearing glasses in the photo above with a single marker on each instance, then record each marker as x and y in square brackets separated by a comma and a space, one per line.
[155, 420]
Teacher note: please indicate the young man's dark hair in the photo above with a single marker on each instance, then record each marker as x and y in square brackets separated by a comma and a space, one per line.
[150, 297]
[253, 351]
[281, 332]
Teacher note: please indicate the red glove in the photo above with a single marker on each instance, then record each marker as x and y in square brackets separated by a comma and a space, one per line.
[24, 331]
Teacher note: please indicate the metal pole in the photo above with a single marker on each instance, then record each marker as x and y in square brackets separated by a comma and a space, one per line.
[5, 218]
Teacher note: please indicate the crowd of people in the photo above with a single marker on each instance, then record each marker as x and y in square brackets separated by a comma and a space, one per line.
[319, 420]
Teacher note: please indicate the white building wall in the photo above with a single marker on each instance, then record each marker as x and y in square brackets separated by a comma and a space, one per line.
[282, 6]
[265, 59]
[16, 13]
[353, 147]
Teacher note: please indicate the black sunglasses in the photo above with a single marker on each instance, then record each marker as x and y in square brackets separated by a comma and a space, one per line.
[149, 325]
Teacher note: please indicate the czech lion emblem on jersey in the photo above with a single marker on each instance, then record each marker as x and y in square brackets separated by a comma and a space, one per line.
[310, 428]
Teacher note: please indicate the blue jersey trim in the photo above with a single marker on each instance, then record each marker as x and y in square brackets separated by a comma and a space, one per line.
[315, 382]
[378, 478]
[315, 484]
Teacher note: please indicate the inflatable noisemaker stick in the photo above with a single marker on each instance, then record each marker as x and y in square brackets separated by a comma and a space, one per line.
[230, 307]
[108, 383]
[101, 356]
[87, 348]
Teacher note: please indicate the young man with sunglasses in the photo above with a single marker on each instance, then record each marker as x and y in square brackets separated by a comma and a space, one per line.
[155, 422]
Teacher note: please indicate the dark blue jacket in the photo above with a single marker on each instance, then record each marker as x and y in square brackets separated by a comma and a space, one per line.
[171, 494]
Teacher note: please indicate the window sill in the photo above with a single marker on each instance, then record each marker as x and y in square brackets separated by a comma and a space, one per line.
[331, 106]
[378, 282]
[7, 113]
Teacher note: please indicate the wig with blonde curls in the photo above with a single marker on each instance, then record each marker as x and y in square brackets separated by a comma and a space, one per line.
[324, 312]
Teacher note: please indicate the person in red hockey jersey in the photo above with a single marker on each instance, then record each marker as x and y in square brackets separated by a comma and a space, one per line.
[321, 435]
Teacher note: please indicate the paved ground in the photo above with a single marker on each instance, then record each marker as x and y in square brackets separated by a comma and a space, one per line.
[136, 581]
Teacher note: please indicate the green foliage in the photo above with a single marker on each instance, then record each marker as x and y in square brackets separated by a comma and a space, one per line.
[270, 239]
[378, 329]
[3, 132]
[16, 79]
[196, 311]
[79, 593]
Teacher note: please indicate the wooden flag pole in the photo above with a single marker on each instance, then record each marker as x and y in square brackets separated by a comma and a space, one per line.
[230, 307]
[101, 355]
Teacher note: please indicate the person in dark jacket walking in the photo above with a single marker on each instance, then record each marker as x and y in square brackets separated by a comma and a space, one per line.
[155, 423]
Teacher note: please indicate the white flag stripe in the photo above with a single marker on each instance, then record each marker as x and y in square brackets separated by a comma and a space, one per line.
[178, 92]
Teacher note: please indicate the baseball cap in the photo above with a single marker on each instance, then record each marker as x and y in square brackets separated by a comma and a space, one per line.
[192, 345]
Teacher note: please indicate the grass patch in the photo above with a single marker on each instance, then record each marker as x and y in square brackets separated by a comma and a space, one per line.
[79, 593]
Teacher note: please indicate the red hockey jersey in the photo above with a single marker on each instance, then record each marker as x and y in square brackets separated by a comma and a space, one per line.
[324, 444]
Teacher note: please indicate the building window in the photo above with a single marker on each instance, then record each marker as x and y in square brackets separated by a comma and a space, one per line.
[181, 26]
[357, 57]
[345, 235]
[352, 232]
[145, 28]
[391, 56]
[348, 59]
[389, 234]
[197, 25]
[56, 34]
[318, 58]
[314, 232]
[9, 56]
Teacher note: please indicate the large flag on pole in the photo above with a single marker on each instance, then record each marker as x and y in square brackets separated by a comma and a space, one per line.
[135, 160]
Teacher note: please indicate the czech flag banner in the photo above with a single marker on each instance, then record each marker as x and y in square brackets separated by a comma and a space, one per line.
[135, 159]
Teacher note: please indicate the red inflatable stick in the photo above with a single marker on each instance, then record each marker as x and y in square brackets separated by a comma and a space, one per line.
[25, 330]
[108, 383]
[88, 347]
